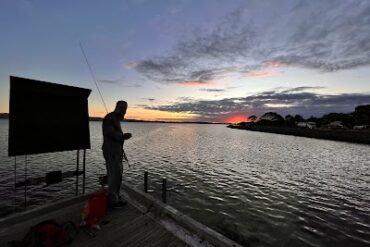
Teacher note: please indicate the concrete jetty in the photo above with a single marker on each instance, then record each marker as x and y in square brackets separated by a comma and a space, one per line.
[144, 221]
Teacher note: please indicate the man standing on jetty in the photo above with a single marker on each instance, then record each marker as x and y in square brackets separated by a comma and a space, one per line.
[113, 152]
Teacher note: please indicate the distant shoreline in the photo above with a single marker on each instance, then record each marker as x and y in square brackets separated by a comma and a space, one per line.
[353, 136]
[6, 116]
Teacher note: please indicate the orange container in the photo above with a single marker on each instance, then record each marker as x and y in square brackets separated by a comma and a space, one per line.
[95, 208]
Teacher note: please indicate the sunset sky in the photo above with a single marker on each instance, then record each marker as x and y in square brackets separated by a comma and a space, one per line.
[194, 60]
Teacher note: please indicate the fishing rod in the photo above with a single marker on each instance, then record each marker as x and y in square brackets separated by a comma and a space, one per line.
[93, 76]
[101, 96]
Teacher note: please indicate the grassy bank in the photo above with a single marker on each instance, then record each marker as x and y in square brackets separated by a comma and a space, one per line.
[355, 136]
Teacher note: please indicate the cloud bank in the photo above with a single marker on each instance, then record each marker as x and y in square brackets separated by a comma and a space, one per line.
[322, 35]
[300, 100]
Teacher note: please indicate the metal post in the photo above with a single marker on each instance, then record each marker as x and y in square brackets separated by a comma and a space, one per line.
[84, 174]
[25, 181]
[146, 182]
[15, 182]
[164, 190]
[77, 170]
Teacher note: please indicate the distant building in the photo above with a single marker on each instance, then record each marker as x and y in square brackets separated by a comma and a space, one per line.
[310, 125]
[361, 127]
[336, 125]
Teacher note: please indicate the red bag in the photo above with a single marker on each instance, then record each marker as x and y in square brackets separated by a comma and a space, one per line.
[48, 233]
[95, 208]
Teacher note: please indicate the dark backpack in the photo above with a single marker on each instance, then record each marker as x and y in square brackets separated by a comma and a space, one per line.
[48, 233]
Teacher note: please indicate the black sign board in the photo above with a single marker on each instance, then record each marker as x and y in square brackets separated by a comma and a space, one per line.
[47, 117]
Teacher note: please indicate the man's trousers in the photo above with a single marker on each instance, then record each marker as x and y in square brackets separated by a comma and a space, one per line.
[114, 166]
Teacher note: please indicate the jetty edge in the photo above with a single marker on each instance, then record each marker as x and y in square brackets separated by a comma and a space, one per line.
[143, 221]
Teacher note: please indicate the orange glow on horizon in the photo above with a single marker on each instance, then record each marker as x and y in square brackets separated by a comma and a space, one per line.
[139, 113]
[237, 119]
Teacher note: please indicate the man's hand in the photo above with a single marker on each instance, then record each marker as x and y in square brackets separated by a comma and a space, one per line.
[127, 136]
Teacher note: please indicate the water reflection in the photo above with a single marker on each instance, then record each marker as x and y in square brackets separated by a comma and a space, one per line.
[260, 189]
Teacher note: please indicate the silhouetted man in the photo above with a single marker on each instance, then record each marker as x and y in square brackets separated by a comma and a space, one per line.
[113, 152]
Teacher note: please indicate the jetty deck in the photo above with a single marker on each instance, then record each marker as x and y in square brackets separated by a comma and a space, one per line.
[144, 221]
[127, 227]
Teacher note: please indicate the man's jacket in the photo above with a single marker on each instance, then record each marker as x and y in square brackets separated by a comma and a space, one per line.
[112, 135]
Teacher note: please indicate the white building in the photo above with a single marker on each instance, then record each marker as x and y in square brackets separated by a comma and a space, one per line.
[336, 125]
[310, 125]
[361, 127]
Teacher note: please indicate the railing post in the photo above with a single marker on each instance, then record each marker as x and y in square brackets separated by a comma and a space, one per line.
[84, 174]
[77, 170]
[146, 182]
[25, 181]
[164, 190]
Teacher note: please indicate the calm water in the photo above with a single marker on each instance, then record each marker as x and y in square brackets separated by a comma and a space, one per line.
[258, 188]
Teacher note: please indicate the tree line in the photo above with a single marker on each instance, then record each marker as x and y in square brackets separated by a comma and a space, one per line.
[361, 116]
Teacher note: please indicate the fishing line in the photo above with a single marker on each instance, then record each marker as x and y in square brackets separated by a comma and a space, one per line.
[97, 87]
[93, 76]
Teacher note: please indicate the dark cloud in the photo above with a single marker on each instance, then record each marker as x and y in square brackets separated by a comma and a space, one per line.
[110, 81]
[119, 82]
[139, 106]
[298, 89]
[212, 90]
[183, 99]
[322, 35]
[136, 85]
[284, 102]
[149, 99]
